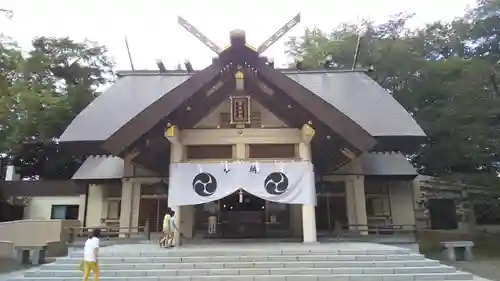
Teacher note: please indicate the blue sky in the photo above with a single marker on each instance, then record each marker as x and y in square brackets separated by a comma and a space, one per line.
[151, 25]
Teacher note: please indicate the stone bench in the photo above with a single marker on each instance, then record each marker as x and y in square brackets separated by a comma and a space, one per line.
[450, 246]
[32, 255]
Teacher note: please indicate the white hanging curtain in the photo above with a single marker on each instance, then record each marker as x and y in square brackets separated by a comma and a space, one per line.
[282, 182]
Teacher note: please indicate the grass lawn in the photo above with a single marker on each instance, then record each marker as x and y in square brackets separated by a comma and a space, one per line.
[9, 265]
[486, 246]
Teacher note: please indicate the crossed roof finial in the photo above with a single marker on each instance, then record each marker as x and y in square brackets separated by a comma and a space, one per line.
[239, 34]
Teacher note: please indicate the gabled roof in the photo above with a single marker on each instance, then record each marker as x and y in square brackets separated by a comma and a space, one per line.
[363, 100]
[105, 167]
[379, 164]
[353, 93]
[100, 167]
[152, 115]
[126, 98]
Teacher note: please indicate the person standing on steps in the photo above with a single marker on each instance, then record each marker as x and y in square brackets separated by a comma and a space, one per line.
[90, 256]
[166, 228]
[212, 218]
[172, 225]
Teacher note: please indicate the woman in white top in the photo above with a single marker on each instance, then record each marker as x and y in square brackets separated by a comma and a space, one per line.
[172, 228]
[166, 229]
[90, 255]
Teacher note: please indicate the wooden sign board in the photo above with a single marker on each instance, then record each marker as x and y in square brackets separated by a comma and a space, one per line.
[240, 109]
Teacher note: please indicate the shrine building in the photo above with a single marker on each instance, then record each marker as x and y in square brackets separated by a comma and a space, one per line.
[281, 153]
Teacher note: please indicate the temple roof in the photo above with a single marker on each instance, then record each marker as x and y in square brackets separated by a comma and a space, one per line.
[363, 100]
[117, 105]
[379, 164]
[372, 164]
[353, 93]
[100, 167]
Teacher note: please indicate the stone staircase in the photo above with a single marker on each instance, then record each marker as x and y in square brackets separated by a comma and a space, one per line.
[253, 262]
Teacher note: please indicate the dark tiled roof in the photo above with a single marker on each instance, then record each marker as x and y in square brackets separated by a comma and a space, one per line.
[363, 100]
[372, 164]
[353, 93]
[117, 105]
[379, 164]
[100, 167]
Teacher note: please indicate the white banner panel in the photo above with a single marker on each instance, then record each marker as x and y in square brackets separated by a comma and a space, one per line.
[283, 182]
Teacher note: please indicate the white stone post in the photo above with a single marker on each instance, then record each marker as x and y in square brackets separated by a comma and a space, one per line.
[126, 207]
[94, 205]
[356, 203]
[308, 211]
[136, 204]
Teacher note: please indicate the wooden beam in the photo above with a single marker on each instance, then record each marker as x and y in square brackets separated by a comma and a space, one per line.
[341, 124]
[200, 105]
[270, 102]
[131, 155]
[146, 120]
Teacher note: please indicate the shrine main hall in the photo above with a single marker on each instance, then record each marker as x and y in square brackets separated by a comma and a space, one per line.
[253, 150]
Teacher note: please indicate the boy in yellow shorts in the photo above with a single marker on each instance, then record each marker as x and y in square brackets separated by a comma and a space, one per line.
[90, 253]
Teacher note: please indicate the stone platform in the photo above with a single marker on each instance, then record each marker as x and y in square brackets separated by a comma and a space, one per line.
[253, 262]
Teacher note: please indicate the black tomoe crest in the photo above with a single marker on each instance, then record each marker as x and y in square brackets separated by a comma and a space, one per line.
[204, 184]
[276, 183]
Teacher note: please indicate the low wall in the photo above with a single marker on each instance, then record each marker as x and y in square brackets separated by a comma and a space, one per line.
[6, 249]
[37, 233]
[40, 207]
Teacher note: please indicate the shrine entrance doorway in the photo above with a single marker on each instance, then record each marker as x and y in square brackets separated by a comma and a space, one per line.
[242, 215]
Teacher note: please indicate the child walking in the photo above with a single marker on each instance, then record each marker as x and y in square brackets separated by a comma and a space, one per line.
[90, 256]
[172, 228]
[166, 229]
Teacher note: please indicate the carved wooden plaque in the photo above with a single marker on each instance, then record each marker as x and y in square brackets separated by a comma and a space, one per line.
[240, 109]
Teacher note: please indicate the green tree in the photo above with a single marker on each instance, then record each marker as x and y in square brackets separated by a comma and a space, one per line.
[40, 94]
[437, 74]
[484, 32]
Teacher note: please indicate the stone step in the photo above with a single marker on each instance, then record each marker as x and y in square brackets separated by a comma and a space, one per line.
[257, 258]
[455, 276]
[235, 252]
[332, 262]
[244, 271]
[215, 265]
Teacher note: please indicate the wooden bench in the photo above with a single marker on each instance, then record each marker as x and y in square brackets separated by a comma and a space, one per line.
[31, 255]
[450, 246]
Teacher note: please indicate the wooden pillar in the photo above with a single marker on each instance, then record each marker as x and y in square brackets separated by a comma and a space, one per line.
[308, 211]
[172, 134]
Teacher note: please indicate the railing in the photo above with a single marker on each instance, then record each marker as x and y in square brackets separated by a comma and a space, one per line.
[370, 232]
[110, 232]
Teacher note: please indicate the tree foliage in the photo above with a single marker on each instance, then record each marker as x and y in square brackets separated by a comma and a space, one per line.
[444, 74]
[40, 93]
